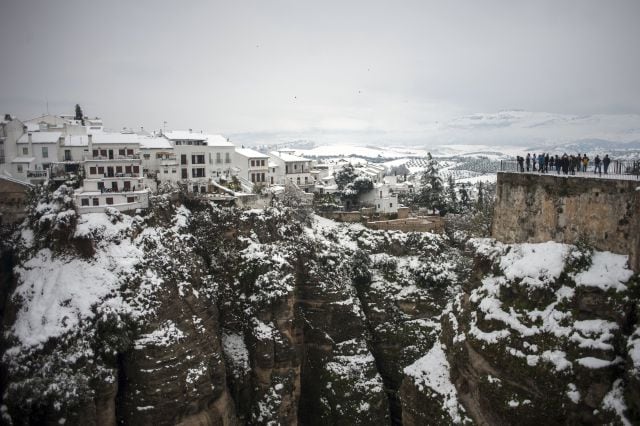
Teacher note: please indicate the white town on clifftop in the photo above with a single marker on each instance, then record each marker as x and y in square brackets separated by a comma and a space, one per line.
[121, 169]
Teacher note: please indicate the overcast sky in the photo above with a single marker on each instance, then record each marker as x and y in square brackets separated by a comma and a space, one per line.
[308, 68]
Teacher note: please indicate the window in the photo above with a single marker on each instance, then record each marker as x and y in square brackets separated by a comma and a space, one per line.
[121, 152]
[92, 170]
[45, 152]
[218, 158]
[197, 159]
[129, 152]
[390, 204]
[227, 157]
[127, 169]
[118, 169]
[100, 170]
[166, 171]
[84, 202]
[195, 188]
[253, 177]
[96, 202]
[103, 152]
[130, 199]
[109, 200]
[183, 159]
[298, 180]
[197, 172]
[136, 169]
[96, 153]
[253, 163]
[262, 177]
[25, 151]
[173, 170]
[185, 174]
[19, 168]
[146, 156]
[295, 167]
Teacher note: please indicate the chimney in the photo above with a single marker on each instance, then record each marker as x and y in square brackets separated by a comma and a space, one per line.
[30, 138]
[90, 144]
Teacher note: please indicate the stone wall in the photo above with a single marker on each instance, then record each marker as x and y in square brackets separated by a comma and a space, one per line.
[13, 201]
[537, 208]
[412, 224]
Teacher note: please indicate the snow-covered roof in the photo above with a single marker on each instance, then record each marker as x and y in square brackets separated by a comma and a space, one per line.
[14, 180]
[41, 137]
[179, 135]
[250, 153]
[23, 160]
[115, 138]
[76, 140]
[155, 143]
[272, 164]
[289, 158]
[218, 140]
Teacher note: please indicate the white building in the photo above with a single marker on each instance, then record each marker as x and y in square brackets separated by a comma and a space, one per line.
[200, 158]
[382, 198]
[292, 169]
[253, 166]
[113, 174]
[36, 152]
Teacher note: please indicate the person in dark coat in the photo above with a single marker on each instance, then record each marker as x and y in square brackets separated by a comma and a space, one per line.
[605, 162]
[528, 161]
[558, 162]
[565, 163]
[598, 165]
[520, 164]
[546, 163]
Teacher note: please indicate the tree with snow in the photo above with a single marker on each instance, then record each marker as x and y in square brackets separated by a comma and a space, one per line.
[345, 176]
[79, 115]
[431, 190]
[451, 197]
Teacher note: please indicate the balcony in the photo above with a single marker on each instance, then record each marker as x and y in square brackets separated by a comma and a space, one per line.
[89, 157]
[37, 174]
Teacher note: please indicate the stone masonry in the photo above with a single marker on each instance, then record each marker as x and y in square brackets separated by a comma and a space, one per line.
[536, 208]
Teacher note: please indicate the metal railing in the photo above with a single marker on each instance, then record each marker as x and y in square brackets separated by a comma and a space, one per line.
[618, 169]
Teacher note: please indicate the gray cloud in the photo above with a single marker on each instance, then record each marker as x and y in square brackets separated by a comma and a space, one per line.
[370, 67]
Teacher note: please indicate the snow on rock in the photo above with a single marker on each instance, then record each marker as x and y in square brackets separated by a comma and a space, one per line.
[614, 401]
[432, 371]
[58, 292]
[236, 352]
[607, 271]
[167, 334]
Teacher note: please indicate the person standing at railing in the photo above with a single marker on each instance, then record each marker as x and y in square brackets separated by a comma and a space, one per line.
[605, 162]
[528, 161]
[565, 163]
[534, 160]
[541, 163]
[585, 162]
[598, 166]
[546, 163]
[558, 164]
[520, 163]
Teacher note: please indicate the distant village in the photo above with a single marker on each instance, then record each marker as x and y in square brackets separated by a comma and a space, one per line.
[121, 169]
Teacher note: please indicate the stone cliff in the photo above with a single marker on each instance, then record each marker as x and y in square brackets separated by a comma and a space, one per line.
[196, 315]
[538, 208]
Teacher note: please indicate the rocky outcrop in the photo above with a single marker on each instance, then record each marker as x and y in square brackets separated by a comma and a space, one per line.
[536, 337]
[539, 208]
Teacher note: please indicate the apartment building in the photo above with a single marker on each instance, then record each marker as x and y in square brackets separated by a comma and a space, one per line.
[113, 174]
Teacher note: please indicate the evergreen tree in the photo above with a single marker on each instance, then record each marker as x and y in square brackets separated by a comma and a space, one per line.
[451, 195]
[430, 193]
[464, 197]
[79, 115]
[480, 200]
[345, 176]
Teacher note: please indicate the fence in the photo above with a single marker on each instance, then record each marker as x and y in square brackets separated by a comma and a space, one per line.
[618, 169]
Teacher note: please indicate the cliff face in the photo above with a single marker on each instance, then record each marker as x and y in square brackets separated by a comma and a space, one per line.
[539, 208]
[197, 315]
[543, 333]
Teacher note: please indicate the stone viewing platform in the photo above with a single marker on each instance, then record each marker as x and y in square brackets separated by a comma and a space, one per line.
[538, 207]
